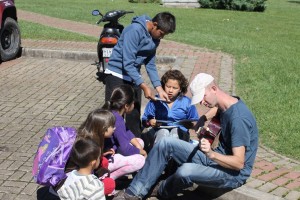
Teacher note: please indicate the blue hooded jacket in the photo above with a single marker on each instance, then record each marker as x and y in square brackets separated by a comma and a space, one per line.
[135, 48]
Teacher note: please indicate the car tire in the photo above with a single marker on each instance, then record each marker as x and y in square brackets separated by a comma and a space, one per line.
[10, 40]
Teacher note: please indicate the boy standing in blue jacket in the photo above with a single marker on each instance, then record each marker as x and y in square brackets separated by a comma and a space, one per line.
[136, 47]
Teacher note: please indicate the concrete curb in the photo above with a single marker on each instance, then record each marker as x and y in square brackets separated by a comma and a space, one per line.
[78, 55]
[59, 54]
[247, 193]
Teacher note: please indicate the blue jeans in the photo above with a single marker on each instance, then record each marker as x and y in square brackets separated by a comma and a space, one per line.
[160, 133]
[195, 167]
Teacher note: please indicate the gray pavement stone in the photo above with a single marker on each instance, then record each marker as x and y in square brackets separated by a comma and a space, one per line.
[16, 184]
[268, 187]
[16, 165]
[26, 168]
[30, 189]
[7, 196]
[6, 172]
[280, 191]
[27, 176]
[19, 156]
[10, 189]
[293, 195]
[17, 176]
[255, 183]
[3, 177]
[5, 164]
[25, 197]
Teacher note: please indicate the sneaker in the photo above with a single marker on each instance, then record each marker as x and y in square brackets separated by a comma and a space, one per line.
[122, 195]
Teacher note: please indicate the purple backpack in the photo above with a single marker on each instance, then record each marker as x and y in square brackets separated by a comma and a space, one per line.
[52, 155]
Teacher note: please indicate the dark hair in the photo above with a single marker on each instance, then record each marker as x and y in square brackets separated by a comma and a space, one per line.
[84, 151]
[95, 125]
[165, 22]
[176, 75]
[121, 95]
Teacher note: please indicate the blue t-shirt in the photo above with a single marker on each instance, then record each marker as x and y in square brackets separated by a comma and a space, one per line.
[239, 129]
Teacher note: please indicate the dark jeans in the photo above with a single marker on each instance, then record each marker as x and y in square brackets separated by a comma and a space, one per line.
[133, 120]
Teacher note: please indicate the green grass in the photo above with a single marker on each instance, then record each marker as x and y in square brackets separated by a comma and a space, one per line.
[36, 31]
[265, 45]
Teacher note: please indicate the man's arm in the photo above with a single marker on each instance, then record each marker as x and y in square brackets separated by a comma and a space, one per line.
[235, 161]
[147, 91]
[206, 117]
[129, 50]
[154, 78]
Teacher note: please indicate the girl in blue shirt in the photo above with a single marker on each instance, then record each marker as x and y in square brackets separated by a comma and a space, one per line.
[178, 108]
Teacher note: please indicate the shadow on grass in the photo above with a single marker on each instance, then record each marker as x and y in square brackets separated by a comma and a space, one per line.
[297, 2]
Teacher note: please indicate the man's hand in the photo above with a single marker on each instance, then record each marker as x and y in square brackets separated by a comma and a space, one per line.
[162, 94]
[235, 161]
[147, 91]
[205, 147]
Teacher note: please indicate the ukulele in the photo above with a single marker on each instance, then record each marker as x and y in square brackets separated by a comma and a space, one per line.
[211, 131]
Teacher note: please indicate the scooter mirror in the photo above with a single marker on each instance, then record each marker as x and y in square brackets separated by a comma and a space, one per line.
[96, 13]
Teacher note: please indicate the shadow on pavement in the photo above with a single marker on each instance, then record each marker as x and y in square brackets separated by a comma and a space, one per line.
[202, 193]
[44, 194]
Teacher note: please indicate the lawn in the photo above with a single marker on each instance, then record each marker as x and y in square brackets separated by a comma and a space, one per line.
[265, 45]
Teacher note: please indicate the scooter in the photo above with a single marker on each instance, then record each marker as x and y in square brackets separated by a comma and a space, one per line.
[108, 37]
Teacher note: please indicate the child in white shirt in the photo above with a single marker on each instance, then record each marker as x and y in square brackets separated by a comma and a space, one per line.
[82, 184]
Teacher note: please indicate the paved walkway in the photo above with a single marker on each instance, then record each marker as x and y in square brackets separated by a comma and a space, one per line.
[39, 93]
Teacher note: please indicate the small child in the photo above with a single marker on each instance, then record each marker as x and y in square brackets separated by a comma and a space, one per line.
[178, 108]
[98, 125]
[81, 183]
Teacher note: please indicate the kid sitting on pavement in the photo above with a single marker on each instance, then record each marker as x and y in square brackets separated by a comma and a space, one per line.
[82, 183]
[98, 125]
[178, 108]
[127, 151]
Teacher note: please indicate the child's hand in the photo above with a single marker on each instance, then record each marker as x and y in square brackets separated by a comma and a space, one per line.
[110, 152]
[152, 123]
[143, 153]
[136, 143]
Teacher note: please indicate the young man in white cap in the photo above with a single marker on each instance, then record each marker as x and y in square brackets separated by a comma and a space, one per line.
[228, 166]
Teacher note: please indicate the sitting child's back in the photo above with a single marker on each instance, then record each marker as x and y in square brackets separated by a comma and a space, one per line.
[78, 186]
[81, 183]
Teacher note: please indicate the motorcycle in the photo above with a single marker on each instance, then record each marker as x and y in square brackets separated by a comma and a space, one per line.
[108, 37]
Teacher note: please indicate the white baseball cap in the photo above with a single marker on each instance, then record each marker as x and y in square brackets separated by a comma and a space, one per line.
[198, 85]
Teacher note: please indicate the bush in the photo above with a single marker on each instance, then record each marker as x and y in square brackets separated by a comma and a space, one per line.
[145, 1]
[243, 5]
